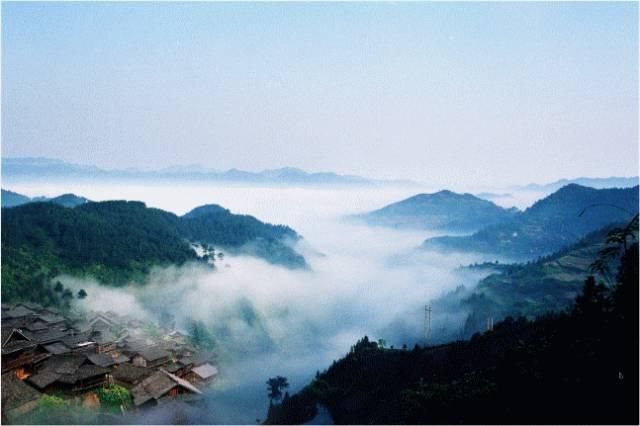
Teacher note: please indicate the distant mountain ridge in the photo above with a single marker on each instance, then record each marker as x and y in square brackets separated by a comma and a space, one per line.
[592, 182]
[20, 169]
[550, 224]
[441, 210]
[13, 199]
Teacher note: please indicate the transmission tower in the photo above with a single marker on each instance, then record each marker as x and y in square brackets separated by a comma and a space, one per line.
[427, 324]
[490, 323]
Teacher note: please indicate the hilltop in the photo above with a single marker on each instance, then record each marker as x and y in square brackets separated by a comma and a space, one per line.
[441, 210]
[593, 182]
[13, 199]
[550, 224]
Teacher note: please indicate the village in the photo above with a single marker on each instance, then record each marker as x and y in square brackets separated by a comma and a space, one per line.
[47, 354]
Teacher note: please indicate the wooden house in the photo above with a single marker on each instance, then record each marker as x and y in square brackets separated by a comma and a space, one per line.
[129, 375]
[151, 357]
[159, 386]
[18, 351]
[70, 373]
[202, 375]
[105, 341]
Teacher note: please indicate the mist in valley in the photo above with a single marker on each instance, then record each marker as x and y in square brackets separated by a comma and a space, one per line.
[268, 320]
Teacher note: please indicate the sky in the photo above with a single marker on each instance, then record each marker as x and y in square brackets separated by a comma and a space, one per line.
[491, 93]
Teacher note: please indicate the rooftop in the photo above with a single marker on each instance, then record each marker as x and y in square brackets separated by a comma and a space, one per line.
[206, 371]
[16, 393]
[153, 353]
[102, 360]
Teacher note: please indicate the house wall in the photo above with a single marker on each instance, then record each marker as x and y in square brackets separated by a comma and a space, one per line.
[139, 361]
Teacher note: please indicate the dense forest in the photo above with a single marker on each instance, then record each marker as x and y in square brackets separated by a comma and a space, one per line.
[576, 366]
[548, 225]
[213, 224]
[118, 242]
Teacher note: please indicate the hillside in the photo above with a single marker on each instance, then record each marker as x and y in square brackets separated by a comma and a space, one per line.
[66, 200]
[216, 225]
[13, 199]
[550, 224]
[441, 210]
[549, 284]
[578, 367]
[119, 241]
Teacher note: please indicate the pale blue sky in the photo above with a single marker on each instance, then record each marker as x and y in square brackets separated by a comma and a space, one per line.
[438, 92]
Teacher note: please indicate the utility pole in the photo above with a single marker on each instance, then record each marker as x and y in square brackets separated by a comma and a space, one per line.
[427, 324]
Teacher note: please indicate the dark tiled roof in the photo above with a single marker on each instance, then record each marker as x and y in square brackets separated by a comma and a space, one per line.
[130, 373]
[17, 346]
[18, 334]
[51, 318]
[6, 332]
[44, 378]
[172, 367]
[30, 305]
[153, 353]
[82, 373]
[64, 364]
[36, 326]
[57, 348]
[153, 387]
[44, 337]
[72, 340]
[102, 360]
[17, 312]
[206, 371]
[16, 393]
[14, 322]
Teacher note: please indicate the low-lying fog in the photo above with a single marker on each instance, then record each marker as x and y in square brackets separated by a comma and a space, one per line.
[270, 320]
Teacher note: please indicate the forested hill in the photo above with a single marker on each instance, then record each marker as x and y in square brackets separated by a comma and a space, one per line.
[216, 225]
[13, 199]
[551, 224]
[119, 241]
[578, 367]
[441, 210]
[549, 284]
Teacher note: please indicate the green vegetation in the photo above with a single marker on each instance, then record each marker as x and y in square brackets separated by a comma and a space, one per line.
[275, 386]
[113, 397]
[118, 242]
[577, 366]
[551, 224]
[114, 241]
[549, 284]
[215, 225]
